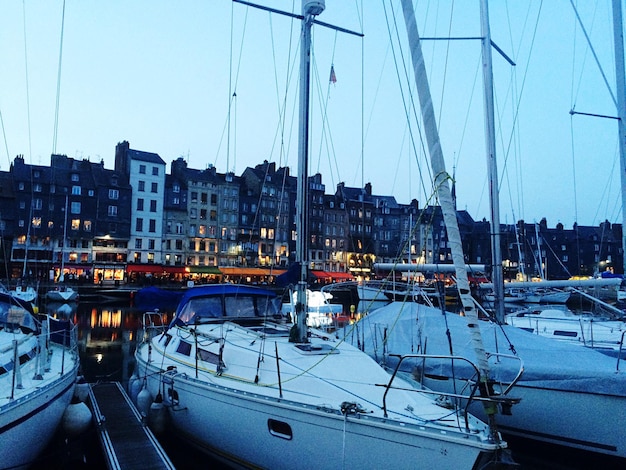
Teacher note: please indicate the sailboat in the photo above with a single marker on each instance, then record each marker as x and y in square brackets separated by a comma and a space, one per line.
[568, 395]
[38, 366]
[241, 383]
[62, 293]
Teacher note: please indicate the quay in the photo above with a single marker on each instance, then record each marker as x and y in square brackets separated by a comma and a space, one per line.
[126, 440]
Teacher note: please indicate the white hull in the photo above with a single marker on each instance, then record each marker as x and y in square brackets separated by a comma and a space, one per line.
[235, 428]
[62, 295]
[28, 294]
[29, 421]
[582, 329]
[570, 395]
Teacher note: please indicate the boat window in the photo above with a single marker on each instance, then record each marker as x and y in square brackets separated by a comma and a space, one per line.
[184, 348]
[240, 306]
[204, 307]
[208, 356]
[570, 334]
[279, 429]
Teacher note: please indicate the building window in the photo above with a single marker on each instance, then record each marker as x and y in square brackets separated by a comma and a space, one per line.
[138, 243]
[75, 224]
[155, 171]
[139, 224]
[176, 201]
[155, 188]
[112, 211]
[74, 177]
[36, 222]
[114, 193]
[75, 208]
[141, 186]
[37, 187]
[152, 226]
[87, 225]
[153, 205]
[140, 204]
[151, 244]
[176, 188]
[90, 193]
[150, 257]
[76, 190]
[37, 204]
[142, 169]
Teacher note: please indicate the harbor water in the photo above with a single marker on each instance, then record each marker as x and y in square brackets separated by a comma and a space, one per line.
[107, 336]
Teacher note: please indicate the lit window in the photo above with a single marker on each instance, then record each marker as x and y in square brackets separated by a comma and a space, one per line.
[75, 224]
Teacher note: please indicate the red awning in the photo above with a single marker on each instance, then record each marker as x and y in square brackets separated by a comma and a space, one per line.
[144, 268]
[332, 275]
[175, 269]
[340, 276]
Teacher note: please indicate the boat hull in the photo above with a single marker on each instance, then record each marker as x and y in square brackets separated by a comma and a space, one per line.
[28, 423]
[256, 431]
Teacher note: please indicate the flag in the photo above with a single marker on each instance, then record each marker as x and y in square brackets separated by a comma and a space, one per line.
[333, 77]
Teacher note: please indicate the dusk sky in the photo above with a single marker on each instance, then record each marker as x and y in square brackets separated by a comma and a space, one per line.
[160, 75]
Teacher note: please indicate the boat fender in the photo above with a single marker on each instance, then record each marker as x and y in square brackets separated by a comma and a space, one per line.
[157, 416]
[144, 400]
[134, 387]
[81, 391]
[76, 417]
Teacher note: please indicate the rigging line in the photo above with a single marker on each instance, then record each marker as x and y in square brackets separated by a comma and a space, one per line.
[445, 68]
[232, 83]
[4, 135]
[516, 115]
[56, 111]
[573, 154]
[593, 51]
[582, 66]
[27, 88]
[404, 100]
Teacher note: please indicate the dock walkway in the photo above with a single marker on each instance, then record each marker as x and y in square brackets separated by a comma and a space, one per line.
[127, 442]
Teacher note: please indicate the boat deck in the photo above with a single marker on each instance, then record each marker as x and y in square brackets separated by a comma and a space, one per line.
[126, 441]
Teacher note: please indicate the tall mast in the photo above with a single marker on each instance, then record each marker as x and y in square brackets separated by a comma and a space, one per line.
[61, 275]
[620, 85]
[492, 166]
[442, 186]
[310, 9]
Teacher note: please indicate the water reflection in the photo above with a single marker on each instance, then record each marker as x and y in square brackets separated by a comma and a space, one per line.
[107, 334]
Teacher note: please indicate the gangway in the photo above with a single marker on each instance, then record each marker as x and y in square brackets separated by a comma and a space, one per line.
[126, 440]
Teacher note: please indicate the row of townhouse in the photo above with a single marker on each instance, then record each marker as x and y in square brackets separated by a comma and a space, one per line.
[137, 220]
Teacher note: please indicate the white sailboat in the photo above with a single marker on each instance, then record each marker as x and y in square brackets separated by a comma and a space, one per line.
[242, 384]
[62, 293]
[569, 395]
[35, 393]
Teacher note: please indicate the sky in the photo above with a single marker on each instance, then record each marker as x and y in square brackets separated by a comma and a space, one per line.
[215, 82]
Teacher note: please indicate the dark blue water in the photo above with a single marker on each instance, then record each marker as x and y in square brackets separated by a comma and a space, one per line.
[107, 334]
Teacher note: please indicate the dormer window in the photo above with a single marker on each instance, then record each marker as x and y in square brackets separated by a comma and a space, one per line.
[75, 177]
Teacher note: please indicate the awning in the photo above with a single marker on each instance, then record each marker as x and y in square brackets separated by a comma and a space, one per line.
[144, 268]
[204, 270]
[251, 271]
[340, 276]
[175, 269]
[332, 275]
